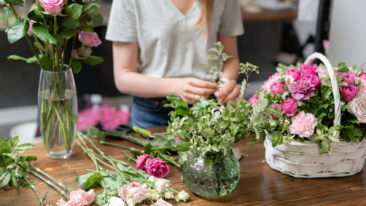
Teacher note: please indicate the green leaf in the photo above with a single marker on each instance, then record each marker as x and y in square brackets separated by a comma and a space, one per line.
[74, 11]
[76, 66]
[88, 181]
[93, 60]
[30, 60]
[342, 67]
[91, 8]
[15, 2]
[16, 31]
[184, 146]
[36, 15]
[147, 149]
[69, 33]
[46, 63]
[96, 19]
[42, 33]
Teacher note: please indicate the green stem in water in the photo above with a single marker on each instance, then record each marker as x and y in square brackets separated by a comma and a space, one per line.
[63, 131]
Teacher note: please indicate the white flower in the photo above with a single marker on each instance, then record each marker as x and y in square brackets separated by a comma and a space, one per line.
[153, 194]
[162, 185]
[152, 179]
[169, 195]
[357, 106]
[115, 201]
[183, 196]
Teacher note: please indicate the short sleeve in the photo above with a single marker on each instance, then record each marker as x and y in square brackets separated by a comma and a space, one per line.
[231, 21]
[122, 22]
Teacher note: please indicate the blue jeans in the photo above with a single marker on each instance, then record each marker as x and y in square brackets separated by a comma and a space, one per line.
[149, 112]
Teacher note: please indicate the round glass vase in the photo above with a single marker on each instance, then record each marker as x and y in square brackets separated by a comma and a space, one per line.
[57, 112]
[213, 175]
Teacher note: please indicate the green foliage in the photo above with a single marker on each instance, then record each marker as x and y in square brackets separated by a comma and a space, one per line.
[93, 60]
[16, 31]
[247, 69]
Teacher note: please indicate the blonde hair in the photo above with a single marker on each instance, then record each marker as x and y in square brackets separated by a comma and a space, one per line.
[205, 17]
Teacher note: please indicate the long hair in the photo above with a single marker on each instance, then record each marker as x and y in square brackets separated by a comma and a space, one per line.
[205, 17]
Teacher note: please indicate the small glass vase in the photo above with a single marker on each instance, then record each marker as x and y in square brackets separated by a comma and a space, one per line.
[57, 112]
[213, 175]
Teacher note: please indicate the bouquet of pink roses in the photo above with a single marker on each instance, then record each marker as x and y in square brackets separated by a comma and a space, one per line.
[296, 103]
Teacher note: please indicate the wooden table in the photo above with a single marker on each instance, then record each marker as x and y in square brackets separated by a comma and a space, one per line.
[259, 184]
[268, 15]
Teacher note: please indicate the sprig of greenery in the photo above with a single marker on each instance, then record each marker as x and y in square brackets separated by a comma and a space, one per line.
[247, 69]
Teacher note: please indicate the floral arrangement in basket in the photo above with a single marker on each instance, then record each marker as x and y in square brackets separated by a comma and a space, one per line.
[302, 103]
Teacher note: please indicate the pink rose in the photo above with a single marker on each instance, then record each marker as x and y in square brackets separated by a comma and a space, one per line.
[161, 202]
[30, 31]
[134, 190]
[157, 168]
[349, 92]
[362, 76]
[312, 79]
[295, 73]
[142, 160]
[89, 39]
[53, 7]
[277, 88]
[308, 69]
[289, 106]
[253, 100]
[348, 77]
[357, 107]
[303, 124]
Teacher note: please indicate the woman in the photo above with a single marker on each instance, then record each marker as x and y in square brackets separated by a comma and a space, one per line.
[158, 47]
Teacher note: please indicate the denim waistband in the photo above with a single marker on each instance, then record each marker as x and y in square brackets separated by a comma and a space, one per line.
[150, 104]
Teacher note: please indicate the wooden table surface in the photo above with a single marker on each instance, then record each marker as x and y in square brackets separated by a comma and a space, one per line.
[258, 185]
[268, 15]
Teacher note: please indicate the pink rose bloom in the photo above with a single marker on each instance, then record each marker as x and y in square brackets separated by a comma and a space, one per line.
[161, 202]
[303, 124]
[89, 39]
[308, 69]
[142, 161]
[349, 78]
[302, 89]
[289, 106]
[312, 79]
[30, 31]
[349, 92]
[253, 100]
[52, 7]
[295, 73]
[277, 88]
[134, 190]
[362, 76]
[157, 168]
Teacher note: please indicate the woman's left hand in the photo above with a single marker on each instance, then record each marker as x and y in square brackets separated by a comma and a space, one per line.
[228, 91]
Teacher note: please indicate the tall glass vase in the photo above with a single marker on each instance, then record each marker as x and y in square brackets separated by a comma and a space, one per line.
[57, 112]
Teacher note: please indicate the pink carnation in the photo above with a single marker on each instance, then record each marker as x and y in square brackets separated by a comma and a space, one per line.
[348, 77]
[303, 124]
[295, 73]
[89, 39]
[142, 161]
[53, 7]
[269, 82]
[302, 89]
[253, 100]
[134, 190]
[289, 106]
[308, 69]
[78, 198]
[362, 76]
[157, 168]
[312, 79]
[30, 31]
[349, 92]
[277, 88]
[161, 202]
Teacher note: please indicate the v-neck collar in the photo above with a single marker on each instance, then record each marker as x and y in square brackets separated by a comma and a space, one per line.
[179, 11]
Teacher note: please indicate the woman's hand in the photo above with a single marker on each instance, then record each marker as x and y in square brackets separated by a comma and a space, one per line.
[191, 89]
[228, 91]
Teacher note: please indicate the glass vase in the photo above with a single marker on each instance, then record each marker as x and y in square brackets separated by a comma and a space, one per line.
[213, 175]
[57, 112]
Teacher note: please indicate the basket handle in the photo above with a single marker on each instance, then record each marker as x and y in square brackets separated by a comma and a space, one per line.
[335, 88]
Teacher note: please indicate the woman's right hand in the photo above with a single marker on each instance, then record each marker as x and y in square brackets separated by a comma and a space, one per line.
[191, 89]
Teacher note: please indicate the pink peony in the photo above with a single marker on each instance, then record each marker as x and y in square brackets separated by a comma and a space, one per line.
[312, 79]
[349, 92]
[302, 89]
[157, 168]
[142, 161]
[308, 69]
[295, 73]
[253, 100]
[277, 88]
[134, 190]
[303, 124]
[362, 76]
[348, 77]
[289, 106]
[53, 7]
[161, 202]
[30, 31]
[89, 39]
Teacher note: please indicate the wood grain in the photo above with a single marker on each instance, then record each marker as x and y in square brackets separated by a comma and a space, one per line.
[268, 15]
[258, 185]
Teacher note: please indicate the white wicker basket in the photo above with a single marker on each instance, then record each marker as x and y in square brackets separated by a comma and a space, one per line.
[303, 160]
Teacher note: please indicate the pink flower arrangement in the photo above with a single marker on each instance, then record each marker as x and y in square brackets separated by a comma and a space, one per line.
[152, 166]
[309, 69]
[253, 100]
[277, 88]
[53, 7]
[295, 73]
[89, 39]
[303, 124]
[78, 198]
[135, 191]
[349, 78]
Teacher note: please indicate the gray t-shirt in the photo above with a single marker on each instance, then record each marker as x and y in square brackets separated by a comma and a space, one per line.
[169, 43]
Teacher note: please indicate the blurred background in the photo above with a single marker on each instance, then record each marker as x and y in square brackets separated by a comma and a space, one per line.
[276, 31]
